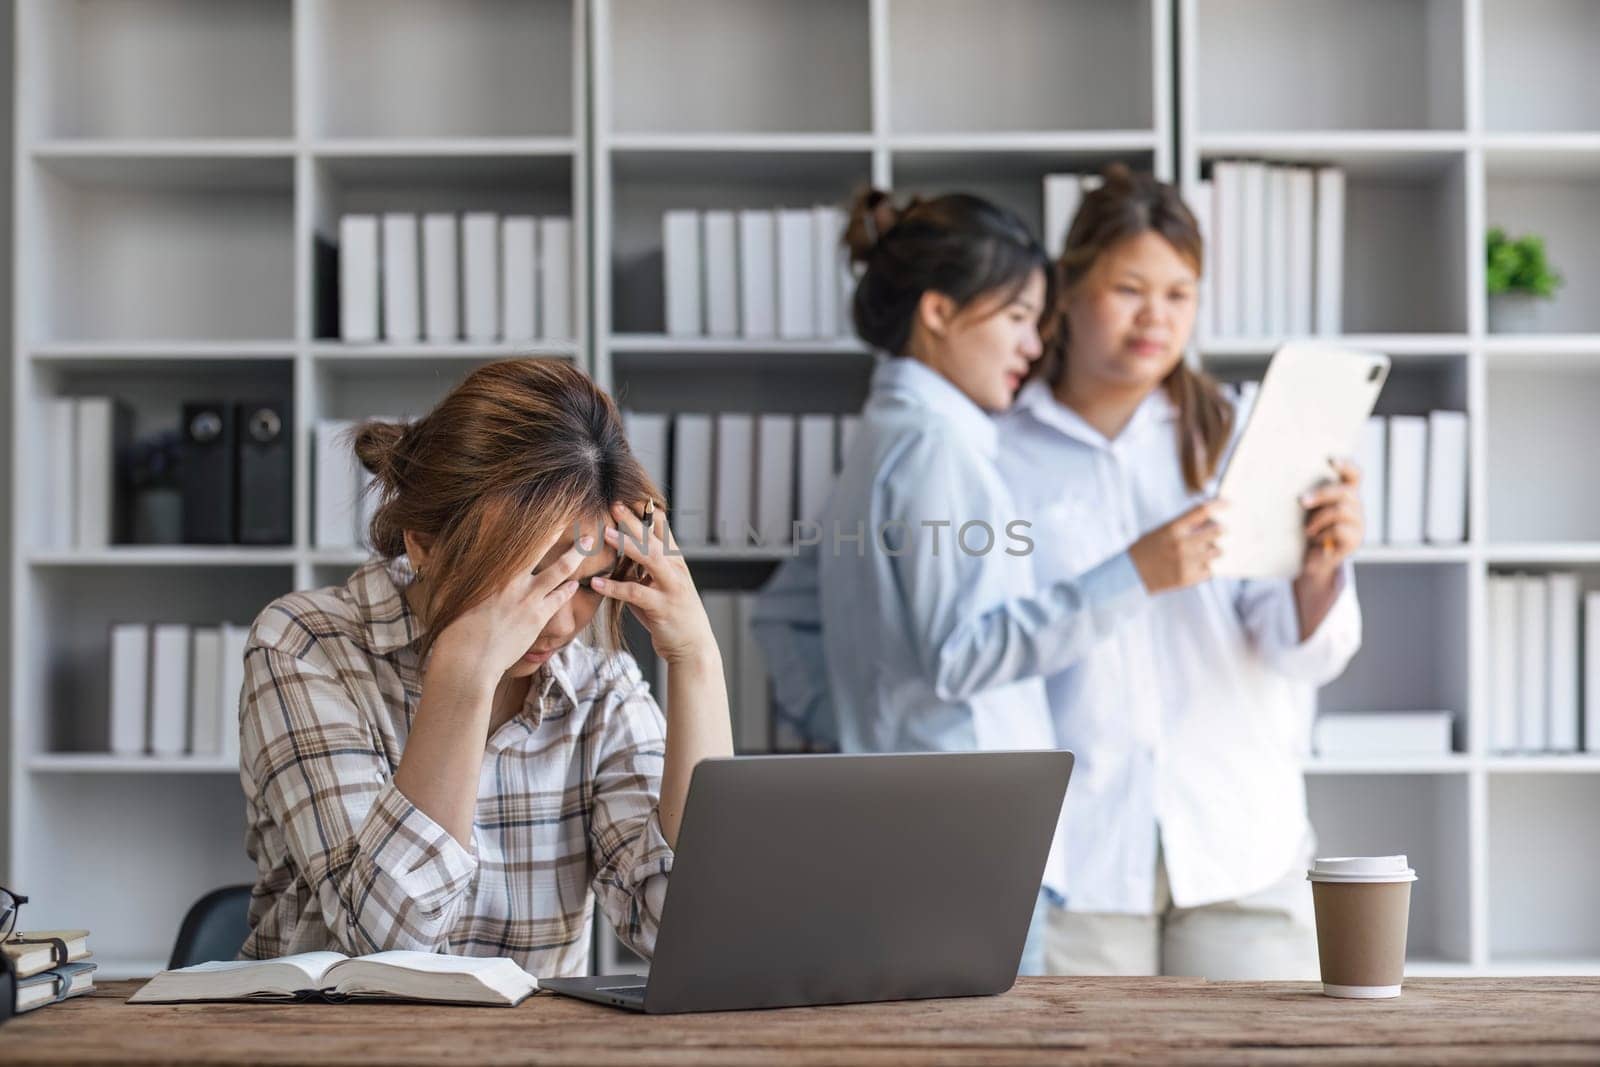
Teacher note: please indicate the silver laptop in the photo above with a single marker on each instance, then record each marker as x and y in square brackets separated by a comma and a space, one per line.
[840, 879]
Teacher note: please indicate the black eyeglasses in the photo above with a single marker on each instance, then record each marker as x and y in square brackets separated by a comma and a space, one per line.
[10, 904]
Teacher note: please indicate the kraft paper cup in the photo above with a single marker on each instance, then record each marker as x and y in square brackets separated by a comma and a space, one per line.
[1363, 904]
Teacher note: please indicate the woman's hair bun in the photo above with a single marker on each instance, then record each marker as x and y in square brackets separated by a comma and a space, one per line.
[872, 214]
[375, 445]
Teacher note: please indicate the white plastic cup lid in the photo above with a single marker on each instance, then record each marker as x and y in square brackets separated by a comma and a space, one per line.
[1361, 869]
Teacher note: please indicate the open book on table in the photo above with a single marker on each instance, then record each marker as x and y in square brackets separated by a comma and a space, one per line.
[332, 976]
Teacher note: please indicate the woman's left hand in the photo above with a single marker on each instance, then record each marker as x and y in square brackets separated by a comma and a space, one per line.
[1334, 523]
[666, 601]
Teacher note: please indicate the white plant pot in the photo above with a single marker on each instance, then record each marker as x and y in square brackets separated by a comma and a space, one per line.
[1514, 312]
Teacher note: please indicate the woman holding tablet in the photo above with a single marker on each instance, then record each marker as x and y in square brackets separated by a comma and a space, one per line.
[438, 755]
[1185, 834]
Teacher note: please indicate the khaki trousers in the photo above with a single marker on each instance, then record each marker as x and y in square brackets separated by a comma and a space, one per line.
[1267, 936]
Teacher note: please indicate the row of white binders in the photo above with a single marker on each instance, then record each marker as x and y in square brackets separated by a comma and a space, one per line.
[1274, 238]
[1535, 648]
[80, 481]
[478, 276]
[175, 689]
[756, 274]
[744, 671]
[738, 479]
[1414, 478]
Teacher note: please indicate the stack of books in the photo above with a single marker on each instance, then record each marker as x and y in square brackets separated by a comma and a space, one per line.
[175, 690]
[1536, 653]
[1414, 478]
[51, 966]
[83, 435]
[479, 277]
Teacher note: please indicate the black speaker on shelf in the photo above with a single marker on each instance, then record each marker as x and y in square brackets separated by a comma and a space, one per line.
[206, 473]
[266, 473]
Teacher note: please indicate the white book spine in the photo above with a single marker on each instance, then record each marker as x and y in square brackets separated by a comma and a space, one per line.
[1200, 206]
[753, 714]
[1591, 672]
[1329, 302]
[1446, 516]
[1062, 195]
[169, 689]
[849, 425]
[827, 227]
[96, 481]
[647, 437]
[1278, 253]
[205, 691]
[775, 478]
[1374, 463]
[60, 476]
[1408, 448]
[358, 278]
[1302, 249]
[1533, 723]
[691, 478]
[336, 484]
[733, 506]
[1228, 221]
[555, 278]
[758, 272]
[519, 284]
[130, 689]
[797, 313]
[1254, 230]
[1562, 597]
[680, 244]
[234, 641]
[1505, 681]
[441, 278]
[722, 611]
[402, 309]
[816, 465]
[720, 248]
[480, 275]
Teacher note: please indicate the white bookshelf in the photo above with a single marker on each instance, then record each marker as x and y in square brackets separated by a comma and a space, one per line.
[1448, 116]
[165, 248]
[175, 161]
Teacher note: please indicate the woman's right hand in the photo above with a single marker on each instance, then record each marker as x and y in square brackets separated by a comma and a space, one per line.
[1179, 553]
[492, 636]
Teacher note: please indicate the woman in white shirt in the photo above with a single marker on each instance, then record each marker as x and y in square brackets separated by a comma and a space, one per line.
[1185, 832]
[934, 634]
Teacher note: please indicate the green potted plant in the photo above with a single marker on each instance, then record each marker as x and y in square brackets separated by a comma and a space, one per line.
[1518, 277]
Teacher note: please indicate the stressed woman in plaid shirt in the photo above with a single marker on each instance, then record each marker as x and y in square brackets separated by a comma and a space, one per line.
[442, 754]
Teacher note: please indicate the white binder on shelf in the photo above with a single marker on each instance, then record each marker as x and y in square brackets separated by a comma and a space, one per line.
[519, 278]
[480, 275]
[130, 688]
[1533, 616]
[752, 715]
[337, 482]
[815, 466]
[1228, 221]
[1329, 303]
[647, 437]
[828, 274]
[1591, 672]
[1302, 250]
[358, 278]
[720, 250]
[758, 275]
[1062, 195]
[1254, 229]
[691, 479]
[1277, 244]
[441, 278]
[101, 424]
[1562, 598]
[205, 691]
[555, 278]
[60, 417]
[169, 689]
[402, 278]
[1373, 459]
[234, 640]
[797, 314]
[1408, 451]
[680, 260]
[1505, 678]
[774, 478]
[1446, 516]
[733, 505]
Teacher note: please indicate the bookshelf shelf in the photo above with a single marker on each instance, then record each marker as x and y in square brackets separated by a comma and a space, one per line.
[662, 344]
[1455, 764]
[441, 148]
[188, 148]
[98, 763]
[164, 556]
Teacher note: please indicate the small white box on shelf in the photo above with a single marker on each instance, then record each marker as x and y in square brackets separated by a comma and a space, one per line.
[480, 275]
[205, 692]
[441, 278]
[1533, 617]
[336, 485]
[775, 478]
[555, 277]
[130, 689]
[1359, 734]
[816, 465]
[1329, 303]
[720, 249]
[1373, 461]
[169, 689]
[1447, 477]
[61, 473]
[647, 437]
[358, 278]
[734, 505]
[1408, 449]
[797, 316]
[691, 478]
[758, 275]
[1562, 595]
[1505, 678]
[519, 285]
[402, 309]
[680, 268]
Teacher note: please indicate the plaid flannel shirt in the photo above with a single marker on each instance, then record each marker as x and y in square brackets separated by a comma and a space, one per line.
[567, 796]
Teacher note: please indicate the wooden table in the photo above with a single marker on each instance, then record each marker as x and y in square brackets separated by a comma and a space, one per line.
[1042, 1020]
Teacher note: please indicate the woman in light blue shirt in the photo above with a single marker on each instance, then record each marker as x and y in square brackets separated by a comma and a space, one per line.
[1185, 834]
[934, 633]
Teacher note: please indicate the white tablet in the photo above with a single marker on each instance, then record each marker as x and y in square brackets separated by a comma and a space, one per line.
[1310, 409]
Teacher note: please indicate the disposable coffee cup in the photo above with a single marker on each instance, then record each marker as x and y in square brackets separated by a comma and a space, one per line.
[1363, 904]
